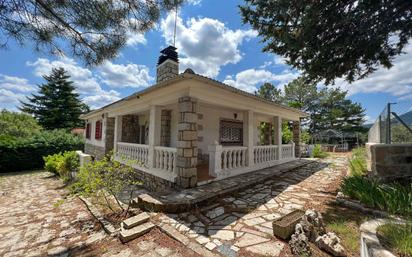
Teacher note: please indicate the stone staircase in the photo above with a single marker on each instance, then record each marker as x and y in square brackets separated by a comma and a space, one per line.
[135, 227]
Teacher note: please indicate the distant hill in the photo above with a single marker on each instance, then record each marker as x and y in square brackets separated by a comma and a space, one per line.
[407, 118]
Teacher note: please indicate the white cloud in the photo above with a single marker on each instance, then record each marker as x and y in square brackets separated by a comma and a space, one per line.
[85, 81]
[15, 84]
[130, 75]
[205, 44]
[10, 99]
[83, 78]
[134, 39]
[249, 80]
[396, 81]
[194, 2]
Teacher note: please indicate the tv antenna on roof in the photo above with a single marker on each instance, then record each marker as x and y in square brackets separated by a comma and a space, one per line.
[174, 32]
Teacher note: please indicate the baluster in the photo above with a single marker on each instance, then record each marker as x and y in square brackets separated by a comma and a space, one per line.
[157, 159]
[224, 155]
[239, 156]
[170, 168]
[234, 159]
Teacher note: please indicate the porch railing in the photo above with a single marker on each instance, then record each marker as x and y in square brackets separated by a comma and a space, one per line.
[265, 153]
[133, 152]
[233, 157]
[165, 158]
[288, 151]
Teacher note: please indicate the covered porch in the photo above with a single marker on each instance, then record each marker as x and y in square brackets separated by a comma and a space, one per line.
[190, 141]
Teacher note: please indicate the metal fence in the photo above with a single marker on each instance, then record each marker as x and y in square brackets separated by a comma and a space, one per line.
[393, 125]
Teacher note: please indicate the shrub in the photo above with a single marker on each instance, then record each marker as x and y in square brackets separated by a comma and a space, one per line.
[62, 164]
[105, 176]
[357, 162]
[17, 125]
[26, 154]
[318, 152]
[398, 237]
[393, 198]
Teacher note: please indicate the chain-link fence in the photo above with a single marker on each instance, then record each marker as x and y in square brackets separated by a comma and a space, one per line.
[393, 125]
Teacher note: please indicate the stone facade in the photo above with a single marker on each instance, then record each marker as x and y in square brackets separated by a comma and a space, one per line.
[130, 129]
[153, 183]
[97, 152]
[109, 143]
[167, 70]
[391, 161]
[296, 136]
[187, 143]
[165, 120]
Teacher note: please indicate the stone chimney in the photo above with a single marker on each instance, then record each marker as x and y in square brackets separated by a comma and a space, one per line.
[168, 64]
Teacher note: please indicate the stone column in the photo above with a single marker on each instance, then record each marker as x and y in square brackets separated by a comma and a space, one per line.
[277, 124]
[165, 120]
[296, 136]
[249, 125]
[109, 140]
[187, 143]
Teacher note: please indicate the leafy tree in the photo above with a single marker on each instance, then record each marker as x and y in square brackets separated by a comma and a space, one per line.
[17, 125]
[301, 95]
[56, 105]
[332, 39]
[95, 30]
[270, 92]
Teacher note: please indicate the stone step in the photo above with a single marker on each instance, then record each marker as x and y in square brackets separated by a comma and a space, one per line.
[135, 220]
[127, 235]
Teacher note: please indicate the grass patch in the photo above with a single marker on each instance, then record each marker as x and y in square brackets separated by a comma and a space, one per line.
[318, 152]
[397, 237]
[345, 223]
[357, 163]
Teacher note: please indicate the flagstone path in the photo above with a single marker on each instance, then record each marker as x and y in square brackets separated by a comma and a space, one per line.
[242, 223]
[36, 220]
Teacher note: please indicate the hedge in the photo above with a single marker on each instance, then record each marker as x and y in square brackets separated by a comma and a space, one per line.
[27, 154]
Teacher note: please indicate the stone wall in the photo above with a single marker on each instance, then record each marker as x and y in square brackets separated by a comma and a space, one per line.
[296, 136]
[167, 70]
[187, 143]
[109, 142]
[153, 183]
[97, 152]
[165, 120]
[390, 161]
[130, 128]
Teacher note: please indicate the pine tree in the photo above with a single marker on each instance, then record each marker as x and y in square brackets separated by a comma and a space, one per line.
[56, 105]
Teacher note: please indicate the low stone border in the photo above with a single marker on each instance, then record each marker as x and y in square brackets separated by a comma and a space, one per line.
[370, 245]
[175, 234]
[356, 205]
[107, 226]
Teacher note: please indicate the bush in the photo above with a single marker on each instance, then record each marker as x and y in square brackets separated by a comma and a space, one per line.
[105, 176]
[357, 162]
[393, 198]
[27, 154]
[17, 125]
[62, 164]
[318, 152]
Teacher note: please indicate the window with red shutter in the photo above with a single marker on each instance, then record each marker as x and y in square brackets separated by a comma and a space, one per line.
[98, 130]
[88, 130]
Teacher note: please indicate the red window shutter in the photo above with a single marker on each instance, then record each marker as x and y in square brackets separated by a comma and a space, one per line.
[98, 131]
[88, 130]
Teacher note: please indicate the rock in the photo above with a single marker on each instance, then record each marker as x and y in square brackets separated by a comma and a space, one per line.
[130, 234]
[330, 243]
[312, 224]
[136, 220]
[299, 242]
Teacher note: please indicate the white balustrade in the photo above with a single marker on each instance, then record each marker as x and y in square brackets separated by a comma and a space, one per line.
[264, 153]
[288, 151]
[133, 152]
[165, 158]
[233, 157]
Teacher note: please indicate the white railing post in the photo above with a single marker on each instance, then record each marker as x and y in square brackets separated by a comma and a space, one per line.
[293, 150]
[215, 159]
[249, 139]
[154, 134]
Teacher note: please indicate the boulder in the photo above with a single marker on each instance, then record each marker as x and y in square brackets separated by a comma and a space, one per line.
[330, 243]
[313, 226]
[299, 242]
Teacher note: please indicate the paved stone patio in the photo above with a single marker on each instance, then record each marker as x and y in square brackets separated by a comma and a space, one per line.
[35, 221]
[242, 224]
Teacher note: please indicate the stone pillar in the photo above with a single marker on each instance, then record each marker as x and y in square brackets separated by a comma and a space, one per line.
[154, 133]
[296, 136]
[109, 141]
[130, 128]
[277, 125]
[165, 120]
[187, 143]
[248, 141]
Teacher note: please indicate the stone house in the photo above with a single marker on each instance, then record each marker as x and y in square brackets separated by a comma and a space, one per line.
[188, 130]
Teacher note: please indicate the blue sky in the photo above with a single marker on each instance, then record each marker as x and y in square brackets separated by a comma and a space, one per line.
[212, 41]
